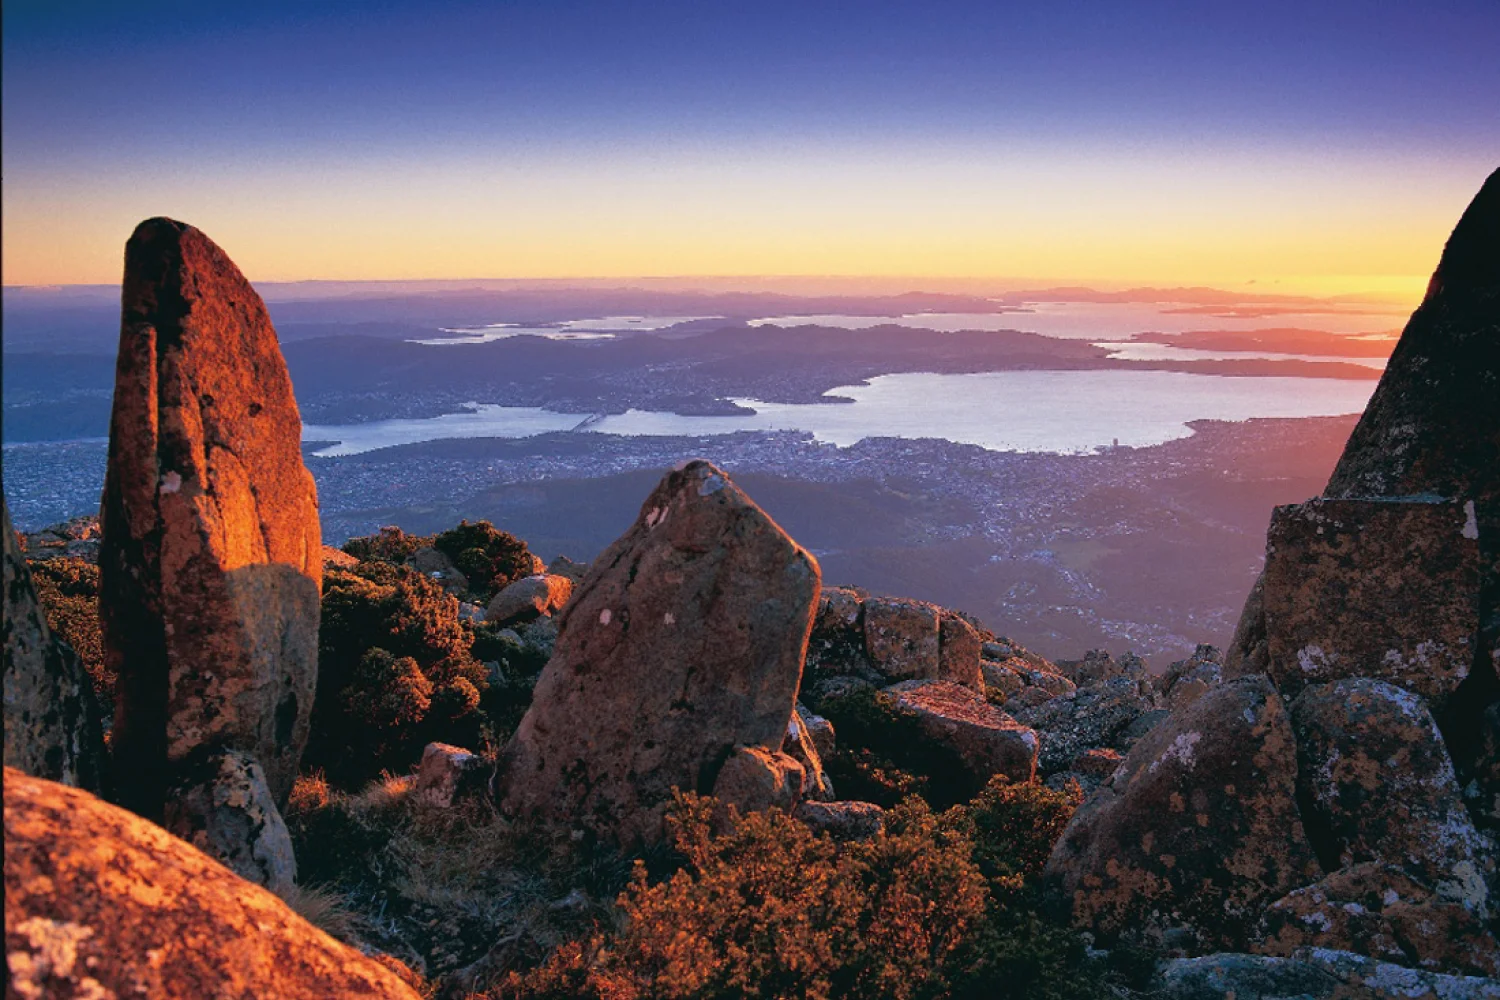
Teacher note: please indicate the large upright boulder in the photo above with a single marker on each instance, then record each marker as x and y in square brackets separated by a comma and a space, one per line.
[101, 903]
[684, 641]
[212, 555]
[52, 724]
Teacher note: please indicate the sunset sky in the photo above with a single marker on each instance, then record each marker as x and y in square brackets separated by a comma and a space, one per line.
[1303, 146]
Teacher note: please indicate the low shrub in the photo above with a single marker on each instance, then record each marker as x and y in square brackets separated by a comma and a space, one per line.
[491, 559]
[768, 909]
[390, 544]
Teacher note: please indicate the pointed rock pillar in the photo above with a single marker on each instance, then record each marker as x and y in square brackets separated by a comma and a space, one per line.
[212, 556]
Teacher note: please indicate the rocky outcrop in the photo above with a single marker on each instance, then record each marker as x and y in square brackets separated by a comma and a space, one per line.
[222, 807]
[1379, 613]
[1098, 716]
[684, 641]
[1379, 786]
[75, 538]
[1197, 830]
[528, 599]
[212, 556]
[984, 739]
[885, 639]
[1187, 680]
[52, 724]
[101, 903]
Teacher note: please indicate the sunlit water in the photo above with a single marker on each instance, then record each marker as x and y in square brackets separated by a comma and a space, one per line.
[1048, 411]
[602, 328]
[1101, 321]
[1147, 351]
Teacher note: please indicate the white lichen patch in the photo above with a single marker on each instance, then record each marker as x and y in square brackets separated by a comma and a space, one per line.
[1181, 751]
[1312, 659]
[51, 952]
[171, 482]
[656, 516]
[711, 484]
[604, 617]
[669, 619]
[1471, 522]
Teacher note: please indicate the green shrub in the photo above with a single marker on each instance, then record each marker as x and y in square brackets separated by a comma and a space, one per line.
[395, 671]
[390, 544]
[490, 558]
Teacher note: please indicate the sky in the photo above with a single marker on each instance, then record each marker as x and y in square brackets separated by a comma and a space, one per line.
[1322, 147]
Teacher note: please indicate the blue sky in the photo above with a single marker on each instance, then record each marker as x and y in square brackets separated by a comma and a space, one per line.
[684, 129]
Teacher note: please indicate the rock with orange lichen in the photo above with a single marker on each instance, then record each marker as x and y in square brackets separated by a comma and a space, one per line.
[1198, 829]
[684, 640]
[212, 554]
[1379, 911]
[101, 903]
[1373, 588]
[1378, 782]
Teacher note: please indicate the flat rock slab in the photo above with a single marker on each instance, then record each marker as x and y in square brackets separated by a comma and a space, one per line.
[1311, 974]
[986, 739]
[684, 640]
[212, 553]
[1197, 829]
[1373, 588]
[100, 903]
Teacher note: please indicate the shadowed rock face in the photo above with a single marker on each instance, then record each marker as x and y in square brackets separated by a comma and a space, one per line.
[52, 725]
[212, 555]
[684, 640]
[1433, 424]
[101, 903]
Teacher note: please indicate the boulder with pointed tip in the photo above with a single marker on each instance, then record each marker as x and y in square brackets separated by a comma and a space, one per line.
[684, 640]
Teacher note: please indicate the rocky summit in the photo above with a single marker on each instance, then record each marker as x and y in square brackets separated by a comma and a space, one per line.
[212, 555]
[684, 641]
[1336, 791]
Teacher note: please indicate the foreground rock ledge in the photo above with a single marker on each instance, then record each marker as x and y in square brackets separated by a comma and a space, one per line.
[684, 640]
[101, 903]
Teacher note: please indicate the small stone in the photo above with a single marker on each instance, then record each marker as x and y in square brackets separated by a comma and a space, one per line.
[447, 773]
[843, 820]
